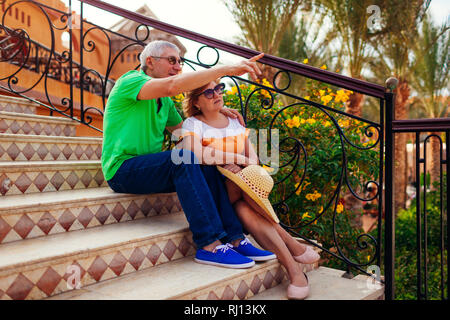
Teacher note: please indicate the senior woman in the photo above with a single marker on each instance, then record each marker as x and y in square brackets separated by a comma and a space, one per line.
[219, 140]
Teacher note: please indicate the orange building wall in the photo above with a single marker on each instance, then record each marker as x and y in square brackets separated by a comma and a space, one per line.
[35, 22]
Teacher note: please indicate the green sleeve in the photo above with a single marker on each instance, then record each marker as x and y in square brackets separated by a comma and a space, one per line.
[130, 85]
[174, 117]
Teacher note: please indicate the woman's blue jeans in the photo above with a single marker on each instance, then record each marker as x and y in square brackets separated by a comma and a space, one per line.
[200, 189]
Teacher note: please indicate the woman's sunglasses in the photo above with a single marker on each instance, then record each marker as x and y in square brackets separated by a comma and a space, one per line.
[209, 93]
[172, 60]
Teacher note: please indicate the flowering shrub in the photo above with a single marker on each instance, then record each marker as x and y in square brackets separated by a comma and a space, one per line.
[310, 190]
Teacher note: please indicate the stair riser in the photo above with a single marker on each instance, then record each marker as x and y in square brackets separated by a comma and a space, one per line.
[41, 151]
[49, 278]
[47, 180]
[246, 286]
[36, 127]
[66, 217]
[10, 105]
[243, 287]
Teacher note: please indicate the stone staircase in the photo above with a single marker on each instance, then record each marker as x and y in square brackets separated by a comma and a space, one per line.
[65, 235]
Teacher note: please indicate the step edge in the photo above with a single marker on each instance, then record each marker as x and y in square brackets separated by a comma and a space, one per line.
[28, 166]
[91, 289]
[38, 263]
[48, 139]
[48, 119]
[244, 273]
[39, 206]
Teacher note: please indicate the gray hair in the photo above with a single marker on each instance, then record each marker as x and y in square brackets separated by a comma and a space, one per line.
[155, 48]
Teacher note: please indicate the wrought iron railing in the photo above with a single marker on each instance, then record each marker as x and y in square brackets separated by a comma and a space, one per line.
[380, 247]
[425, 131]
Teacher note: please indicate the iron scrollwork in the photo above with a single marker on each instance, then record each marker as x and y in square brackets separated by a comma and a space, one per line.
[17, 48]
[293, 146]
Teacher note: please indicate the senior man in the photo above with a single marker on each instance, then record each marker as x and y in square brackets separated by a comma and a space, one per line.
[138, 111]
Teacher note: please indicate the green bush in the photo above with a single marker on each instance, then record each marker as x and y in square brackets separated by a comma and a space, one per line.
[406, 248]
[313, 199]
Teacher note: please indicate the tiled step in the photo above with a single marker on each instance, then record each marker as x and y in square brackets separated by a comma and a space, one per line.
[20, 123]
[21, 147]
[184, 279]
[18, 105]
[328, 284]
[41, 267]
[24, 177]
[41, 214]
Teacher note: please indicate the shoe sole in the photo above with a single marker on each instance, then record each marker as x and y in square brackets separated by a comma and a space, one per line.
[225, 265]
[262, 258]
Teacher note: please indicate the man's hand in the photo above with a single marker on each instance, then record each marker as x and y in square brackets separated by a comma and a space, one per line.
[232, 113]
[245, 66]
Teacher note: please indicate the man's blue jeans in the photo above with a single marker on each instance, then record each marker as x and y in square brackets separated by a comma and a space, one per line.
[200, 188]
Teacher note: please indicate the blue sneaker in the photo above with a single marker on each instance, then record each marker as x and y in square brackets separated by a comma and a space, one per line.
[223, 256]
[247, 249]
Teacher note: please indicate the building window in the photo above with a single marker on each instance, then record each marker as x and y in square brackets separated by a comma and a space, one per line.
[23, 17]
[17, 14]
[128, 57]
[29, 20]
[122, 59]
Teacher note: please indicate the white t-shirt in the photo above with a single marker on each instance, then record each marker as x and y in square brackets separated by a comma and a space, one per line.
[229, 139]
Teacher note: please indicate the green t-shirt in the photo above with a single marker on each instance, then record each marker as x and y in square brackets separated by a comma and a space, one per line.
[132, 127]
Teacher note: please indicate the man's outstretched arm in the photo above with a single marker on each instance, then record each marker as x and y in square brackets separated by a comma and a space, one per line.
[173, 85]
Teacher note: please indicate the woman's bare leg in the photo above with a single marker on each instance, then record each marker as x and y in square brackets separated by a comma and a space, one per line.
[267, 236]
[235, 193]
[295, 247]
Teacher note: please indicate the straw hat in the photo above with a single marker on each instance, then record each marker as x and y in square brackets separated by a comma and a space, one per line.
[257, 183]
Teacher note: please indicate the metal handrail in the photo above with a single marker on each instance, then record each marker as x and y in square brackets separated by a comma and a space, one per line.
[364, 87]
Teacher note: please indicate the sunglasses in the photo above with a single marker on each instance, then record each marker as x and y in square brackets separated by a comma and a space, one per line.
[209, 93]
[172, 60]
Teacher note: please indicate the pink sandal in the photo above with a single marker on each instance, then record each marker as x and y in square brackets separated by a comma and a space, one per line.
[308, 257]
[298, 293]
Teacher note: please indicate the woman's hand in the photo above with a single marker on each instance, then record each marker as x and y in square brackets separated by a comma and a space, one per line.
[232, 113]
[232, 167]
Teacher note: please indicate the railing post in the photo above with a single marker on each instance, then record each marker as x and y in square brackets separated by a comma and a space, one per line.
[71, 57]
[447, 170]
[389, 233]
[81, 78]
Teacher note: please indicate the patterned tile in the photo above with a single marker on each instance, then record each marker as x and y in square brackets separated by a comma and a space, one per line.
[47, 279]
[20, 288]
[36, 151]
[51, 180]
[36, 127]
[10, 105]
[244, 286]
[51, 221]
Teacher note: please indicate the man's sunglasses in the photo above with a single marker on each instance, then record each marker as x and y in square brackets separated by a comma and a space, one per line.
[172, 60]
[209, 93]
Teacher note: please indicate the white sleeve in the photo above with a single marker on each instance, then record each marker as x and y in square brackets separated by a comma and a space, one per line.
[192, 126]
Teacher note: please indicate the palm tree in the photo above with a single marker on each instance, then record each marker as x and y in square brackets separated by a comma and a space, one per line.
[430, 79]
[394, 47]
[349, 19]
[306, 41]
[263, 23]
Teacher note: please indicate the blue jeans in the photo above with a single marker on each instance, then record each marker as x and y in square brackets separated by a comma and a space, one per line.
[200, 188]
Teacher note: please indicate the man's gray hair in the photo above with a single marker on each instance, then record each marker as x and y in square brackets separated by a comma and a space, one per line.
[155, 48]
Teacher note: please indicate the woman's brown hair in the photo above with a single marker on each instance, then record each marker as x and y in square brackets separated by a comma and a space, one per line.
[191, 98]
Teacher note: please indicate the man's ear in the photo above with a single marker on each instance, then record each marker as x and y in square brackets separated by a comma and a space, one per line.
[149, 62]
